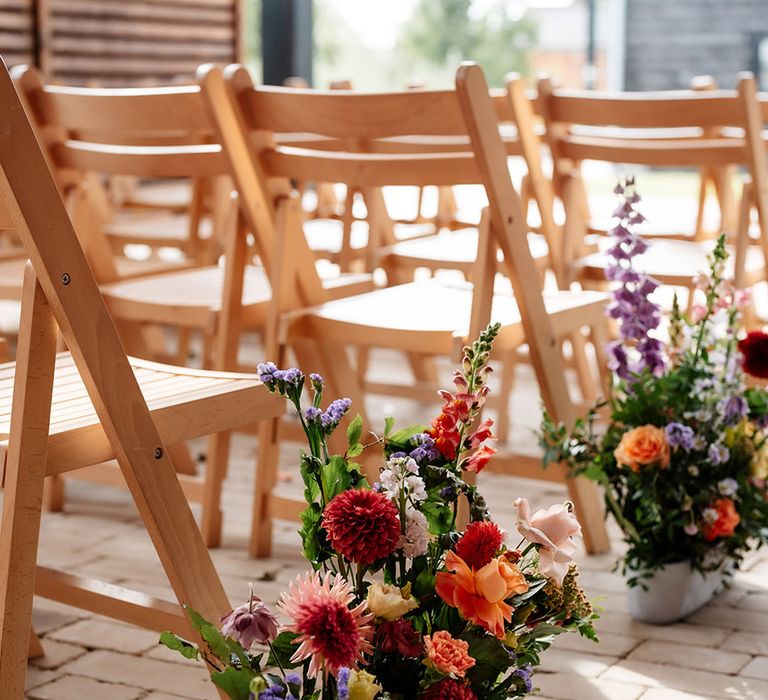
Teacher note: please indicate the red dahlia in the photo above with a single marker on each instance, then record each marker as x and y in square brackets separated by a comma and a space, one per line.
[479, 543]
[754, 348]
[362, 525]
[448, 689]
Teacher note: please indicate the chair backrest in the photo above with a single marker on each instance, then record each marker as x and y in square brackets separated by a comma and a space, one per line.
[250, 118]
[146, 132]
[702, 128]
[34, 208]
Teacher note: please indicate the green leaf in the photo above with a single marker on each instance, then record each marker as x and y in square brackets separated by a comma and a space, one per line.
[355, 430]
[221, 647]
[402, 436]
[282, 650]
[355, 450]
[490, 655]
[190, 651]
[389, 423]
[335, 477]
[235, 682]
[311, 534]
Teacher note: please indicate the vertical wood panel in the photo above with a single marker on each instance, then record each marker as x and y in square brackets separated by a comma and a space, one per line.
[115, 43]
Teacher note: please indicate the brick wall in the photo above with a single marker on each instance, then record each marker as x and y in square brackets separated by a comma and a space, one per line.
[670, 41]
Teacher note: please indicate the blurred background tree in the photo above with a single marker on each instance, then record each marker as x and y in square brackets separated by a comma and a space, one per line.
[442, 33]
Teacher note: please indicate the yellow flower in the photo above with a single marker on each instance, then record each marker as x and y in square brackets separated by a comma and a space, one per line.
[759, 466]
[389, 602]
[363, 686]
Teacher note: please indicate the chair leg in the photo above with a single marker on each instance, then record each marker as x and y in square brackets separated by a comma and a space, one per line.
[581, 364]
[260, 544]
[508, 367]
[215, 473]
[54, 493]
[35, 646]
[25, 474]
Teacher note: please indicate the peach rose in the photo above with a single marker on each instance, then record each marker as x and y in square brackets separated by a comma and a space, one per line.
[643, 446]
[447, 655]
[553, 529]
[479, 595]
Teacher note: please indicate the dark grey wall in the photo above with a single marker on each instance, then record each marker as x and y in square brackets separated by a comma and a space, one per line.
[670, 41]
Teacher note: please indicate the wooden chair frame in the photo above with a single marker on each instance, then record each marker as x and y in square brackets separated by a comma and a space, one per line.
[60, 290]
[245, 118]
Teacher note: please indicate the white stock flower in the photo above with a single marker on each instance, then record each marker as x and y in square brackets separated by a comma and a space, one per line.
[415, 541]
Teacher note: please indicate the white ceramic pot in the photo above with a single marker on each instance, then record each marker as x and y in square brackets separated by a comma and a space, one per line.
[673, 593]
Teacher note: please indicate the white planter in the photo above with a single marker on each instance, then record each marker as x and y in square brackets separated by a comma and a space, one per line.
[673, 593]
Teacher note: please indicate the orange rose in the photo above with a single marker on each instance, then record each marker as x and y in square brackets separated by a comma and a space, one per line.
[727, 520]
[643, 446]
[479, 595]
[447, 655]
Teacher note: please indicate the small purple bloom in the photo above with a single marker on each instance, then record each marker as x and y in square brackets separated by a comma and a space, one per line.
[317, 381]
[249, 623]
[728, 487]
[733, 409]
[718, 453]
[334, 413]
[524, 673]
[679, 435]
[312, 414]
[266, 372]
[342, 684]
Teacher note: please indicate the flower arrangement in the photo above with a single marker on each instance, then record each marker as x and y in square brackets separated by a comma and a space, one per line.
[683, 459]
[400, 602]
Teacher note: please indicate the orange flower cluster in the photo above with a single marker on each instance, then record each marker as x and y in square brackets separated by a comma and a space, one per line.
[480, 595]
[727, 520]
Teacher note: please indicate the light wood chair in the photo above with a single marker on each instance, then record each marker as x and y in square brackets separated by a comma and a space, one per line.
[708, 130]
[77, 408]
[428, 318]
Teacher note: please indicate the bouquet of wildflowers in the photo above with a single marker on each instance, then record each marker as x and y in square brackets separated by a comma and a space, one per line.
[683, 459]
[401, 602]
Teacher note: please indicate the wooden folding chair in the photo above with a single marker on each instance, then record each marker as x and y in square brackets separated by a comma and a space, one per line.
[78, 408]
[428, 318]
[709, 130]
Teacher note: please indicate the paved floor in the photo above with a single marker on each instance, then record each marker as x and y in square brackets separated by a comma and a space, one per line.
[720, 652]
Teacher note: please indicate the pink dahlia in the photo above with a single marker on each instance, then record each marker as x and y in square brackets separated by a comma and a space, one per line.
[479, 543]
[331, 634]
[362, 525]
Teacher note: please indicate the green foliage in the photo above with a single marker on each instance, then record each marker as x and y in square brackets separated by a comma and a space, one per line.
[282, 650]
[445, 32]
[235, 682]
[187, 650]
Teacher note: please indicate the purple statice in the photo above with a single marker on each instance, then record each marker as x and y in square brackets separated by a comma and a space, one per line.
[425, 451]
[286, 382]
[524, 673]
[317, 382]
[266, 372]
[333, 414]
[342, 684]
[631, 306]
[679, 435]
[313, 414]
[448, 493]
[732, 409]
[718, 453]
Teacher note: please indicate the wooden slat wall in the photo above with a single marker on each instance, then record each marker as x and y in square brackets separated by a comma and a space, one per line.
[17, 31]
[130, 42]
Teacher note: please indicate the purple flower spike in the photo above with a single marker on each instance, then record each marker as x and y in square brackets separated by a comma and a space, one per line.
[632, 308]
